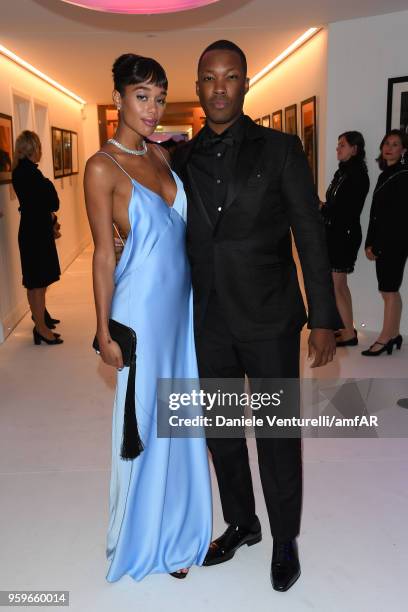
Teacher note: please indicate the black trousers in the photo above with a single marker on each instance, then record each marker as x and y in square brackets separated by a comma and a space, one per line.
[280, 464]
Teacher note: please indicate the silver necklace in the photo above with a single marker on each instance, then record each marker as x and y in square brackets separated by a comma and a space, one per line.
[122, 147]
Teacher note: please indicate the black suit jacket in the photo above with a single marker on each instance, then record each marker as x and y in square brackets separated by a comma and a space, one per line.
[247, 255]
[387, 230]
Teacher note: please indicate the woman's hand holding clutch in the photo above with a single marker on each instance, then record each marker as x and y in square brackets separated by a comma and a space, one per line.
[110, 353]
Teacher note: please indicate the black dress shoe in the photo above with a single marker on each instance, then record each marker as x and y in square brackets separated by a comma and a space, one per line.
[285, 568]
[47, 322]
[49, 319]
[224, 548]
[179, 575]
[397, 341]
[38, 338]
[349, 342]
[386, 346]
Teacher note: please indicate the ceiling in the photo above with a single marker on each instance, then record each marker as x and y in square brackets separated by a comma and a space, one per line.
[77, 47]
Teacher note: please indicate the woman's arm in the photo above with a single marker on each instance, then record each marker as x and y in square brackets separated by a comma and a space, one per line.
[349, 201]
[51, 195]
[368, 245]
[99, 188]
[352, 198]
[326, 207]
[46, 190]
[392, 215]
[36, 194]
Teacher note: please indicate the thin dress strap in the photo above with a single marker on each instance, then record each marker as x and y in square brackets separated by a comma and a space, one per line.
[158, 148]
[116, 162]
[123, 170]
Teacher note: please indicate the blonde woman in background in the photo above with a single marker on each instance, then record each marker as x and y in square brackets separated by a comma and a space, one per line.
[38, 201]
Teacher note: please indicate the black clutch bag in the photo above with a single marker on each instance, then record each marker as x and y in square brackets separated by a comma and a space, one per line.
[125, 336]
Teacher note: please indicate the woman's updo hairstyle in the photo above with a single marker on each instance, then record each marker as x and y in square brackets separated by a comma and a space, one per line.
[131, 69]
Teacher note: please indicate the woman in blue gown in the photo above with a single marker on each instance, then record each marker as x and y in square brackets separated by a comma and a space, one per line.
[160, 501]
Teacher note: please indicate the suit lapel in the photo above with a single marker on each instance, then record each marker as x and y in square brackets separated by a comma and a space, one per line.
[185, 170]
[197, 196]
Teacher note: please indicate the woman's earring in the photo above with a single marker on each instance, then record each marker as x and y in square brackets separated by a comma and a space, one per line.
[403, 160]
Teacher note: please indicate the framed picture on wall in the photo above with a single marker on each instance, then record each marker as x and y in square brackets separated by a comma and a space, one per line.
[74, 149]
[258, 121]
[266, 121]
[6, 148]
[66, 152]
[291, 119]
[277, 120]
[309, 133]
[56, 139]
[397, 104]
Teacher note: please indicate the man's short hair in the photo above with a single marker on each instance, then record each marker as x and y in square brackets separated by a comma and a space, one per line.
[225, 45]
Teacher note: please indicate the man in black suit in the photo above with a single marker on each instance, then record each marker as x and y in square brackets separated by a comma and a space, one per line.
[247, 188]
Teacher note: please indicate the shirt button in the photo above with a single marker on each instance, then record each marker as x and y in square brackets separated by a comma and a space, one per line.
[218, 181]
[219, 208]
[219, 154]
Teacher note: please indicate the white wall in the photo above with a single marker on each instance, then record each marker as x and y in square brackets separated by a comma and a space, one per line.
[46, 107]
[362, 55]
[301, 76]
[90, 130]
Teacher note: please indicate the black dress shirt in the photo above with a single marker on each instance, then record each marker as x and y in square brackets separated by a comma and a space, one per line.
[213, 161]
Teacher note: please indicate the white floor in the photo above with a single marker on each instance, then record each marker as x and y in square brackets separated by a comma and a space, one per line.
[54, 475]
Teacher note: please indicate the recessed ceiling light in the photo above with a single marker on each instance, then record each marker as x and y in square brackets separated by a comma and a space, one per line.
[140, 7]
[282, 56]
[18, 60]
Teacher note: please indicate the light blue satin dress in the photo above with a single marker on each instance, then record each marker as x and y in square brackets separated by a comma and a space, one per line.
[160, 503]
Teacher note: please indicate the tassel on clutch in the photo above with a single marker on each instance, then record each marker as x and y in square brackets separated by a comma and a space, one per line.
[125, 336]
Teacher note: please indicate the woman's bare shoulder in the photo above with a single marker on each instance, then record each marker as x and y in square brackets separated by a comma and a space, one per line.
[100, 167]
[98, 162]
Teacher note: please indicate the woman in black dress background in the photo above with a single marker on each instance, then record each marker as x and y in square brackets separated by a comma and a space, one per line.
[386, 241]
[39, 259]
[345, 199]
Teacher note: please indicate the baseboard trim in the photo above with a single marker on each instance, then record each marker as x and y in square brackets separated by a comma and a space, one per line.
[12, 319]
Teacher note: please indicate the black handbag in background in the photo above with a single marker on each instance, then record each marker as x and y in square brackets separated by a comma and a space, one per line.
[125, 336]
